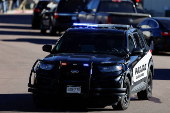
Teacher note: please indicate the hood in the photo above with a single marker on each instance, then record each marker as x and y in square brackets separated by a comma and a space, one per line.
[85, 58]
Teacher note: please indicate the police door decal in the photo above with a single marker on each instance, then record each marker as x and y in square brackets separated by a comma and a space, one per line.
[140, 69]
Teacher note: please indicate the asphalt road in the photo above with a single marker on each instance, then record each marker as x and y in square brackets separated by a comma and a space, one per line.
[20, 46]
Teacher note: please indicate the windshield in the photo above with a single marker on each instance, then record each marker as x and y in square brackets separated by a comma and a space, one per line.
[85, 42]
[165, 23]
[71, 5]
[107, 6]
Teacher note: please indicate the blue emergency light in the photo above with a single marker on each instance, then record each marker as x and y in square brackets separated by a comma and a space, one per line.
[86, 65]
[89, 25]
[84, 25]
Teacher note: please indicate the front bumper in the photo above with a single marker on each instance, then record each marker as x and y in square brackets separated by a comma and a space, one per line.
[94, 92]
[89, 91]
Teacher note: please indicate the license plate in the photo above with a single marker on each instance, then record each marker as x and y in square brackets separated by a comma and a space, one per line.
[74, 18]
[73, 89]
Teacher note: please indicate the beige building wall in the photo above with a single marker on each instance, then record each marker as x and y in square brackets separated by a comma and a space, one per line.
[156, 7]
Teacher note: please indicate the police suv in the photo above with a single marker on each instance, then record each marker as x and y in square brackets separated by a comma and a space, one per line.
[100, 64]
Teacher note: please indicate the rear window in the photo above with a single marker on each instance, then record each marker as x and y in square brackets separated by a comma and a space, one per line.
[107, 6]
[42, 4]
[71, 5]
[165, 23]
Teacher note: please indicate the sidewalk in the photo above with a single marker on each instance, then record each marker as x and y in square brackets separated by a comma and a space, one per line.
[19, 11]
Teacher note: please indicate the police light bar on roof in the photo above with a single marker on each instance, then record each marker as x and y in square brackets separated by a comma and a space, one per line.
[88, 25]
[80, 24]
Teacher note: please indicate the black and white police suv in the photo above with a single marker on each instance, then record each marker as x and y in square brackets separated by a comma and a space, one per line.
[100, 64]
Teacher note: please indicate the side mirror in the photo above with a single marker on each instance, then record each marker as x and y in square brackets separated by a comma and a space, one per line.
[127, 50]
[47, 48]
[137, 51]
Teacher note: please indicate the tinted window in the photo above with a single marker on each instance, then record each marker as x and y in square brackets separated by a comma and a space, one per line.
[138, 40]
[144, 24]
[165, 23]
[141, 37]
[92, 42]
[71, 5]
[152, 24]
[42, 4]
[107, 6]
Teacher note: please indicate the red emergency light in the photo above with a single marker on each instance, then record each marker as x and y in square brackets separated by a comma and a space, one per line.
[116, 0]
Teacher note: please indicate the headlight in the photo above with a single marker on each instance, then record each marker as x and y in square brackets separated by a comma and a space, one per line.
[46, 66]
[37, 66]
[105, 69]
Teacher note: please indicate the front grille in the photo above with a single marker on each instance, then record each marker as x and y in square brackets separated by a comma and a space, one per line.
[66, 74]
[67, 77]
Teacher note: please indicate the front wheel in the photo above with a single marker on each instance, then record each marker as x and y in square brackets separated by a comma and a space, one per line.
[147, 93]
[125, 100]
[36, 100]
[33, 26]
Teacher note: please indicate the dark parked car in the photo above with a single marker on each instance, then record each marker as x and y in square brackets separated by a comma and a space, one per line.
[157, 33]
[36, 17]
[99, 64]
[62, 16]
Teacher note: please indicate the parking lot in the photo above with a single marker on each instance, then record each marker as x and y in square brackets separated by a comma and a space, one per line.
[20, 46]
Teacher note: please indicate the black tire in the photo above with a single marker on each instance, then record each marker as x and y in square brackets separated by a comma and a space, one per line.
[147, 93]
[43, 30]
[33, 26]
[36, 100]
[52, 30]
[123, 104]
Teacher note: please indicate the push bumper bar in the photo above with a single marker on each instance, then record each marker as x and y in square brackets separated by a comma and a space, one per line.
[92, 92]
